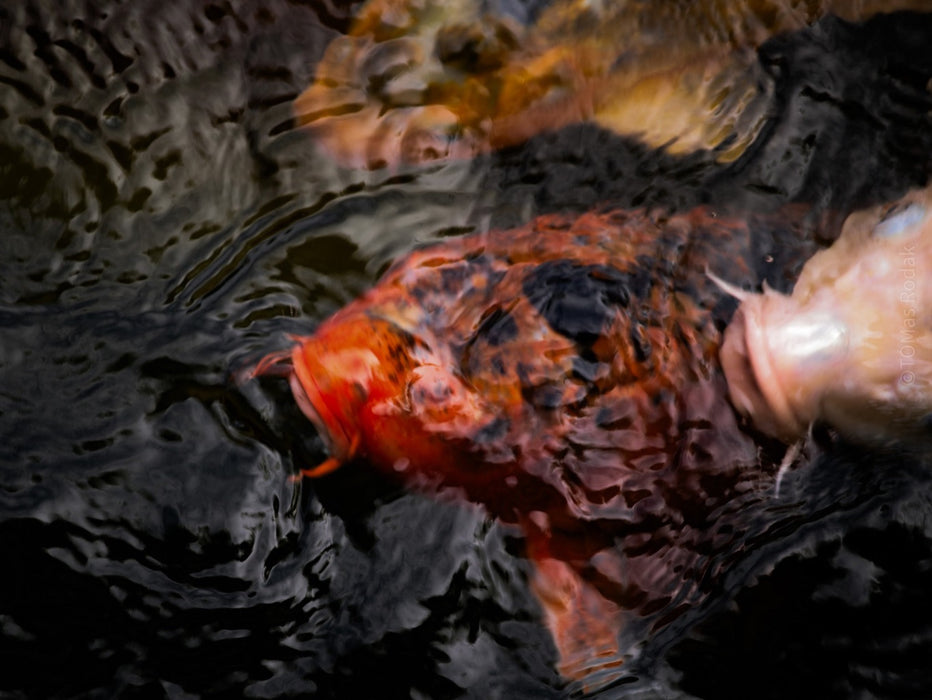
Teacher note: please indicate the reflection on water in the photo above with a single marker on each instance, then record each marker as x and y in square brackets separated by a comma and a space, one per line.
[164, 224]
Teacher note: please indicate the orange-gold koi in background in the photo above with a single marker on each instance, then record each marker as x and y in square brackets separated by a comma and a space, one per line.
[422, 80]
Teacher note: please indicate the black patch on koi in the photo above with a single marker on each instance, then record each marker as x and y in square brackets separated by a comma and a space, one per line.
[452, 277]
[494, 431]
[455, 275]
[419, 293]
[400, 344]
[548, 396]
[588, 370]
[640, 345]
[614, 417]
[641, 278]
[497, 327]
[578, 301]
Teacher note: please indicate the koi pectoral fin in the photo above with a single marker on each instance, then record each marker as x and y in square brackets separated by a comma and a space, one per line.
[331, 464]
[584, 624]
[276, 364]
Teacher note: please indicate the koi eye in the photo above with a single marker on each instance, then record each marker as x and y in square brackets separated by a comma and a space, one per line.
[900, 219]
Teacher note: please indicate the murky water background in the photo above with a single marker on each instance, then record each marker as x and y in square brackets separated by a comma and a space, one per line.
[164, 224]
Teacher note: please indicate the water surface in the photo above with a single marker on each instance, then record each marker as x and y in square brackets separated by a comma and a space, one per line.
[164, 223]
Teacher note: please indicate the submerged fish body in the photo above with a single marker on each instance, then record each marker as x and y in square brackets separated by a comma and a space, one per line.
[852, 344]
[422, 80]
[563, 375]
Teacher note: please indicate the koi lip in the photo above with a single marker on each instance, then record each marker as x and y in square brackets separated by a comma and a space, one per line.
[768, 381]
[312, 403]
[752, 379]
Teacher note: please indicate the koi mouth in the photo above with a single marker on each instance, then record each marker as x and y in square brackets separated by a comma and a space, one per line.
[753, 384]
[312, 403]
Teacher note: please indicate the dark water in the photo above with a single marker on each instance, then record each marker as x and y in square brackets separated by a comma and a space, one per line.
[162, 225]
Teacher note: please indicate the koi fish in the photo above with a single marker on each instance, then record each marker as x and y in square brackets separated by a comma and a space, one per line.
[565, 376]
[852, 344]
[573, 377]
[421, 80]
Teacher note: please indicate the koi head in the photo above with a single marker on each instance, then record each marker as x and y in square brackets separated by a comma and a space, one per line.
[339, 373]
[374, 390]
[852, 345]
